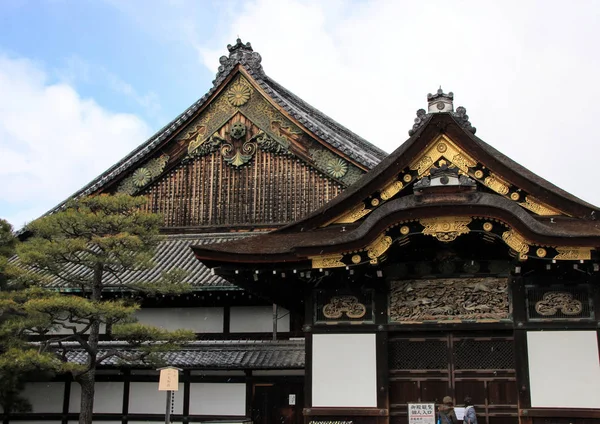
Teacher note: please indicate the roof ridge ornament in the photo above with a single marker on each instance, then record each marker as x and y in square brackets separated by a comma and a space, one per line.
[441, 102]
[243, 54]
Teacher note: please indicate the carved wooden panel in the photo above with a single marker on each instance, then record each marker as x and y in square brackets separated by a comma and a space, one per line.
[449, 299]
[339, 307]
[268, 189]
[559, 302]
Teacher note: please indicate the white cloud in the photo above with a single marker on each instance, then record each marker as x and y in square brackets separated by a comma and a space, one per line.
[52, 141]
[525, 71]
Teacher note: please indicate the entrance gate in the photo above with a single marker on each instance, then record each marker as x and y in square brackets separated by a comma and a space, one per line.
[425, 369]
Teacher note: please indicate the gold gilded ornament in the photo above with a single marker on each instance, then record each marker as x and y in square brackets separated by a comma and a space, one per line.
[479, 174]
[391, 190]
[515, 241]
[337, 167]
[573, 253]
[331, 261]
[379, 246]
[446, 229]
[354, 215]
[374, 202]
[407, 178]
[514, 196]
[404, 230]
[488, 226]
[355, 259]
[497, 185]
[238, 94]
[539, 208]
[441, 147]
[541, 252]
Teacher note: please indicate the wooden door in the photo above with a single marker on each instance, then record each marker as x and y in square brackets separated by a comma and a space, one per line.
[427, 369]
[271, 403]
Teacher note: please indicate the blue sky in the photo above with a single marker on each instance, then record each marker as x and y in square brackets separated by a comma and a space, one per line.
[83, 82]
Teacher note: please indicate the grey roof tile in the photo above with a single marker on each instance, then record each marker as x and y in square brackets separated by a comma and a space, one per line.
[230, 355]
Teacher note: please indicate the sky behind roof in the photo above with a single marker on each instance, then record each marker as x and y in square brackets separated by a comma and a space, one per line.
[82, 83]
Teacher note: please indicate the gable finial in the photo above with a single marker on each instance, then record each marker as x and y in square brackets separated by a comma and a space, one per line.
[441, 102]
[239, 53]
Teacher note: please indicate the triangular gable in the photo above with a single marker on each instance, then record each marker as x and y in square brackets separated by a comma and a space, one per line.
[242, 87]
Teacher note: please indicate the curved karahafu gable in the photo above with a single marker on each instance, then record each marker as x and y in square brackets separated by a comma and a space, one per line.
[442, 182]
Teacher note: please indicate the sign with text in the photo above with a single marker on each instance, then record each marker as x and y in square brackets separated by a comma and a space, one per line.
[169, 379]
[421, 413]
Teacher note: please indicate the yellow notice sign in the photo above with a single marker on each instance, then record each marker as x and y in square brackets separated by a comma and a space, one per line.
[169, 379]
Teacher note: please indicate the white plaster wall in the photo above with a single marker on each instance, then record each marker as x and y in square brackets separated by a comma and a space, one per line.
[218, 399]
[344, 372]
[145, 398]
[200, 320]
[564, 369]
[45, 397]
[108, 397]
[258, 319]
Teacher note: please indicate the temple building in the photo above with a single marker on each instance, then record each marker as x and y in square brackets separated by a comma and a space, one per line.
[337, 283]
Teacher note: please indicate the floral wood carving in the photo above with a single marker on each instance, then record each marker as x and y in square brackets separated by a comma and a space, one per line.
[553, 302]
[143, 175]
[449, 299]
[333, 261]
[338, 305]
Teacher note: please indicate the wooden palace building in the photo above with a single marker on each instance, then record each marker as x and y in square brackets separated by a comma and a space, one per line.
[336, 283]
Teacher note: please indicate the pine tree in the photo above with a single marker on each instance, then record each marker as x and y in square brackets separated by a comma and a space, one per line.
[18, 359]
[80, 247]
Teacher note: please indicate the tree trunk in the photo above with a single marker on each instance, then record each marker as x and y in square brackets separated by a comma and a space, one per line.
[87, 382]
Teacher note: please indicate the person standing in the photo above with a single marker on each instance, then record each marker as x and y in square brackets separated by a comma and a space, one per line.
[446, 411]
[470, 415]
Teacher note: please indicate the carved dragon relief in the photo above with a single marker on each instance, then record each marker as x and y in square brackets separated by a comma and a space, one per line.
[449, 299]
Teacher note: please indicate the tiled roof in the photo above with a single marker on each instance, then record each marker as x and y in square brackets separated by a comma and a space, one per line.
[230, 355]
[324, 127]
[173, 252]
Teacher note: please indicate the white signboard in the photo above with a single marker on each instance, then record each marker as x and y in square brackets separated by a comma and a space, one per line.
[460, 413]
[421, 413]
[292, 400]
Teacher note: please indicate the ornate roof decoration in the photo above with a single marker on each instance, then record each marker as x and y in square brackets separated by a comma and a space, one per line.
[239, 53]
[441, 102]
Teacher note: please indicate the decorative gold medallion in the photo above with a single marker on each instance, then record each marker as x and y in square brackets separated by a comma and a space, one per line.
[404, 230]
[441, 147]
[374, 202]
[407, 178]
[238, 94]
[541, 252]
[514, 196]
[337, 167]
[446, 229]
[487, 226]
[141, 177]
[355, 259]
[479, 174]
